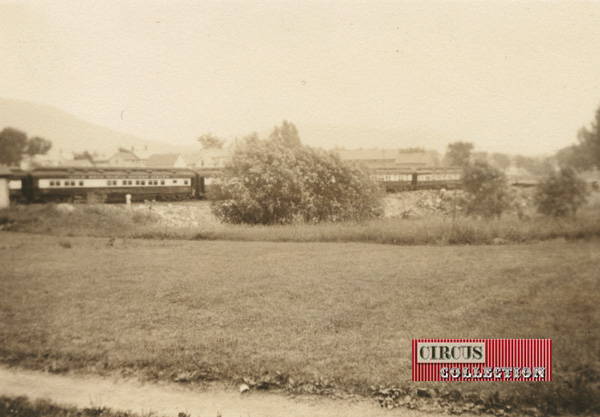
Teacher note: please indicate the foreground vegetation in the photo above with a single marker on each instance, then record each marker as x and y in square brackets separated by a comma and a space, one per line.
[22, 407]
[313, 317]
[117, 222]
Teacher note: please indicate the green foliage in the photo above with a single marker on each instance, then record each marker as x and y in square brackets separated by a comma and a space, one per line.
[561, 194]
[38, 146]
[280, 181]
[458, 154]
[83, 155]
[209, 141]
[14, 144]
[586, 154]
[287, 134]
[486, 188]
[589, 144]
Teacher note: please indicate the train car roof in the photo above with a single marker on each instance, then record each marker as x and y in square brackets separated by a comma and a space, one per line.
[112, 170]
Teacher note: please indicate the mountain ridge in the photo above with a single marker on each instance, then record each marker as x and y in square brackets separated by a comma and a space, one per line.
[69, 133]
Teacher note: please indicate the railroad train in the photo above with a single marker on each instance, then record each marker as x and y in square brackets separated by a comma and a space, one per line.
[110, 184]
[104, 184]
[394, 180]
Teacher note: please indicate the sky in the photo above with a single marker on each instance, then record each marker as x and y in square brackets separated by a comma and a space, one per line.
[510, 76]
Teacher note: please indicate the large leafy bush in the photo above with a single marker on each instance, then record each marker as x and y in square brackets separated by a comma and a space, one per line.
[486, 188]
[561, 193]
[280, 181]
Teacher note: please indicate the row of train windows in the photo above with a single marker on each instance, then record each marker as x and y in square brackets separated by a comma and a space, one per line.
[66, 183]
[116, 182]
[421, 177]
[394, 177]
[439, 177]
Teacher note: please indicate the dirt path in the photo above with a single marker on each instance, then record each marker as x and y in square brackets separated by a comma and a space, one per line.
[169, 400]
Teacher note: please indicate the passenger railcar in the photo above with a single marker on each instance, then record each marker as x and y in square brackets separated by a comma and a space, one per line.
[111, 184]
[404, 180]
[437, 179]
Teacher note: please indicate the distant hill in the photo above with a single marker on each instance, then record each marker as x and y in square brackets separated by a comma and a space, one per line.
[69, 133]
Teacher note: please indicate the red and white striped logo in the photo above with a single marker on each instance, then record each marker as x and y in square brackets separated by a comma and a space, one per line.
[482, 360]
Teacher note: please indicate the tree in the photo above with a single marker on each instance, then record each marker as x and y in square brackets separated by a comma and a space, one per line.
[38, 146]
[586, 154]
[458, 153]
[280, 181]
[589, 144]
[501, 160]
[209, 141]
[486, 188]
[561, 193]
[286, 134]
[14, 144]
[83, 155]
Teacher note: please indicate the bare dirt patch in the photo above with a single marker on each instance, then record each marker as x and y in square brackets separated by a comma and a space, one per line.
[169, 400]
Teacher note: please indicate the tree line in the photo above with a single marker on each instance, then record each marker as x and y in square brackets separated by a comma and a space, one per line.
[15, 145]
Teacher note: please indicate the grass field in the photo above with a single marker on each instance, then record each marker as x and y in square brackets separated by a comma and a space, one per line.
[118, 222]
[295, 314]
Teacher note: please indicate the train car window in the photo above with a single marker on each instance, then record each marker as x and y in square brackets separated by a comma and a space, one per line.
[162, 182]
[81, 183]
[185, 182]
[137, 182]
[143, 182]
[174, 181]
[51, 183]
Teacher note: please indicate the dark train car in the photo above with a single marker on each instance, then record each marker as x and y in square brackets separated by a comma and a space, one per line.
[208, 176]
[106, 184]
[16, 181]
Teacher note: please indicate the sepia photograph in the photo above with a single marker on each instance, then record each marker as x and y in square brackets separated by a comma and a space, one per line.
[276, 208]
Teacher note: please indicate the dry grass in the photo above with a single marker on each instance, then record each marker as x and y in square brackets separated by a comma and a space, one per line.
[115, 221]
[342, 315]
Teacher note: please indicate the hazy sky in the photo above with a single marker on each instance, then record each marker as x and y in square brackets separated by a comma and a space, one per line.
[509, 76]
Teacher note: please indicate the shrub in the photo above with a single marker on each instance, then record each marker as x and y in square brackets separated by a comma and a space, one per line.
[281, 181]
[561, 193]
[486, 188]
